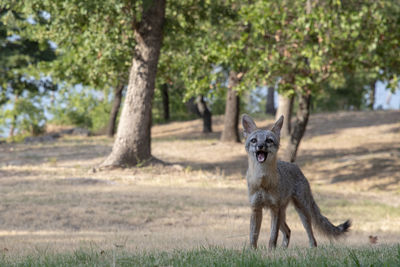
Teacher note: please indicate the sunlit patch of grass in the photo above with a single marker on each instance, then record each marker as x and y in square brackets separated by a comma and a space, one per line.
[214, 256]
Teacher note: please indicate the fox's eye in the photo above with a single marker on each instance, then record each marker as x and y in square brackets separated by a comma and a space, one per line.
[253, 140]
[269, 140]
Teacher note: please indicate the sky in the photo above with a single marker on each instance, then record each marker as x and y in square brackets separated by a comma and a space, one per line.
[385, 99]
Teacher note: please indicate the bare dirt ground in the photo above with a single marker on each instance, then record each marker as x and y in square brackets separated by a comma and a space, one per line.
[52, 198]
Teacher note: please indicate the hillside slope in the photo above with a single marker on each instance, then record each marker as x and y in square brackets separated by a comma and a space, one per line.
[50, 194]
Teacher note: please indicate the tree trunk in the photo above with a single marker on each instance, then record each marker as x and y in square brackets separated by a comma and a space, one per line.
[230, 132]
[372, 95]
[285, 108]
[115, 109]
[191, 107]
[165, 101]
[14, 119]
[12, 128]
[205, 114]
[270, 107]
[132, 144]
[303, 112]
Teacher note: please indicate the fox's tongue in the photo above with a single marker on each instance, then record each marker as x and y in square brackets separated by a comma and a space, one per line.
[261, 156]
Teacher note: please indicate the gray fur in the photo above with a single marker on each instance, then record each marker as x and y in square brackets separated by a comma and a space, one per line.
[273, 184]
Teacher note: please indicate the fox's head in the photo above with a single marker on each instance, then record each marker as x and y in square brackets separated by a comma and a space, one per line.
[262, 145]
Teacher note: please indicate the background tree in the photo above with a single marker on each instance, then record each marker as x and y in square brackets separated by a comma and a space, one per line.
[225, 49]
[132, 143]
[309, 44]
[270, 105]
[307, 48]
[22, 87]
[94, 42]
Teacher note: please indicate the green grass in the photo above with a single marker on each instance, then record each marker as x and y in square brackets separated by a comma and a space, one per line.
[216, 256]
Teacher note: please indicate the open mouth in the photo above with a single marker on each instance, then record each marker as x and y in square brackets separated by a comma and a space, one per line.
[261, 156]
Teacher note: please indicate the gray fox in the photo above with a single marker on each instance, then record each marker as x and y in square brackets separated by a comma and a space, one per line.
[273, 184]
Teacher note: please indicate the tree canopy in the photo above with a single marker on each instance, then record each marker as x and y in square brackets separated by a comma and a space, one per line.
[210, 49]
[21, 86]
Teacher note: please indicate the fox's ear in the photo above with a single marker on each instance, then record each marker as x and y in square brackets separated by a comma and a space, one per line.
[276, 129]
[248, 124]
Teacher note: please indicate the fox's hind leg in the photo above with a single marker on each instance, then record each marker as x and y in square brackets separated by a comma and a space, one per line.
[305, 217]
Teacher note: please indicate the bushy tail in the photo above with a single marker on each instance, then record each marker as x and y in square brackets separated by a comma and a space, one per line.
[325, 226]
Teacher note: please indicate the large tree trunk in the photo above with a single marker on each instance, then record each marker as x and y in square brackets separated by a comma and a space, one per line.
[270, 107]
[303, 112]
[285, 108]
[165, 101]
[205, 114]
[230, 132]
[132, 144]
[115, 109]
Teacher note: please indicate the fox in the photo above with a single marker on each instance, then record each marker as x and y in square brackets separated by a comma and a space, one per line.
[273, 184]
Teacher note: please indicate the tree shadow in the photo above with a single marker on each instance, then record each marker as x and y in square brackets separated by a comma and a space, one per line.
[235, 165]
[360, 164]
[344, 154]
[329, 123]
[189, 136]
[50, 153]
[366, 169]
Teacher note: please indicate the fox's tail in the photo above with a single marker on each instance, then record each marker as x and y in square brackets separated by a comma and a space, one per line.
[325, 226]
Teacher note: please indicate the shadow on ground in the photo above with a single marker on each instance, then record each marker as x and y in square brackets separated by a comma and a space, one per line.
[234, 166]
[328, 123]
[377, 161]
[53, 153]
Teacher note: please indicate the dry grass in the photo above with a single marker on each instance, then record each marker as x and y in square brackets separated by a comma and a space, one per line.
[50, 198]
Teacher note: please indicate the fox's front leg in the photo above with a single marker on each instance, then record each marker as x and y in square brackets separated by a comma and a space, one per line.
[275, 223]
[255, 225]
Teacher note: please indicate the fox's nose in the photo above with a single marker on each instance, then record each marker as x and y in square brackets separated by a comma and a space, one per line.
[259, 147]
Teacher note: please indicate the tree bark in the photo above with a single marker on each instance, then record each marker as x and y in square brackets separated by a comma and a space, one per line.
[285, 108]
[165, 101]
[205, 114]
[302, 115]
[132, 144]
[12, 128]
[270, 107]
[14, 119]
[115, 109]
[372, 95]
[230, 132]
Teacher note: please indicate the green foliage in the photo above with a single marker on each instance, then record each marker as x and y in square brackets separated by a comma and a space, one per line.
[177, 106]
[193, 42]
[94, 39]
[349, 96]
[94, 43]
[309, 46]
[329, 48]
[82, 108]
[20, 90]
[19, 56]
[25, 114]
